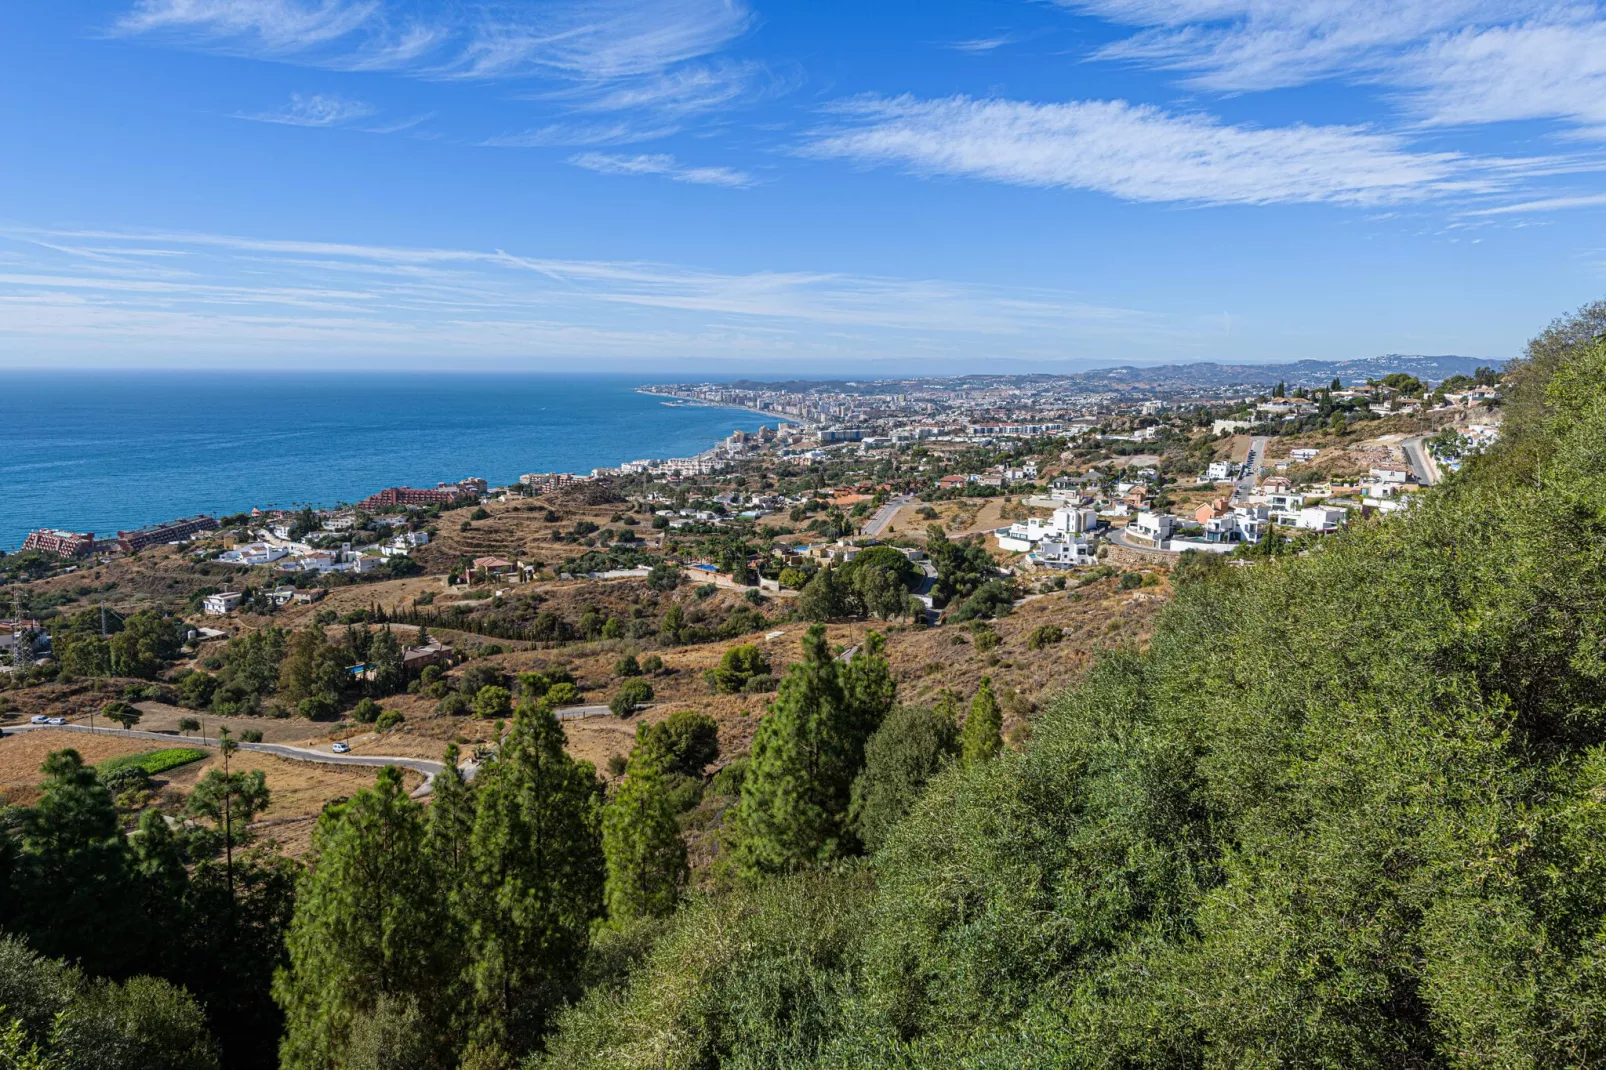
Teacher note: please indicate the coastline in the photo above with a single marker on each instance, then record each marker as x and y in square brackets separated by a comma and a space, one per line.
[146, 449]
[701, 404]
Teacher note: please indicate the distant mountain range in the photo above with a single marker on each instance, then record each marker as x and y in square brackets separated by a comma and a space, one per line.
[1169, 377]
[1430, 369]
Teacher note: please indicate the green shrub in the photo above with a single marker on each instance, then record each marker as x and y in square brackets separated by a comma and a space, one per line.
[389, 719]
[492, 702]
[736, 666]
[631, 694]
[728, 781]
[153, 762]
[1044, 635]
[759, 684]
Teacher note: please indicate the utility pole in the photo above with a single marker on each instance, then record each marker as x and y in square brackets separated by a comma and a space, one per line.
[21, 642]
[228, 747]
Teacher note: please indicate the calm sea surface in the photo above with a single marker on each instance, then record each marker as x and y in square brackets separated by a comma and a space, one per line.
[102, 451]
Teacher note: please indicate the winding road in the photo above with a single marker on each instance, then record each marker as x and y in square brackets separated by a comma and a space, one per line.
[429, 769]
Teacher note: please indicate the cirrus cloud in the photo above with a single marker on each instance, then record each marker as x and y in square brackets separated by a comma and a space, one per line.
[664, 165]
[1142, 153]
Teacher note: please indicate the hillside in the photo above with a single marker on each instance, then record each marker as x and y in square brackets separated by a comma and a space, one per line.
[1345, 810]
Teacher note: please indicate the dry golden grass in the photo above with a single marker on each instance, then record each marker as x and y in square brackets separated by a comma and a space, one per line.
[22, 753]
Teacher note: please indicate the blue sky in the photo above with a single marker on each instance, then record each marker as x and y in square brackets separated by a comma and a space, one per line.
[762, 187]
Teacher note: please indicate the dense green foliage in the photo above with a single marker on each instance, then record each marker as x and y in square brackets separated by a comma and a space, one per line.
[367, 924]
[1345, 811]
[912, 745]
[153, 762]
[52, 1017]
[157, 903]
[631, 694]
[452, 934]
[736, 667]
[641, 842]
[983, 737]
[684, 743]
[795, 799]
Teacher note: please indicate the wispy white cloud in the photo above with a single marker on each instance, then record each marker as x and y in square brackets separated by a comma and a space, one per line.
[1142, 153]
[1544, 204]
[1530, 71]
[318, 109]
[978, 45]
[652, 61]
[689, 88]
[272, 26]
[217, 295]
[584, 41]
[664, 165]
[571, 134]
[1455, 61]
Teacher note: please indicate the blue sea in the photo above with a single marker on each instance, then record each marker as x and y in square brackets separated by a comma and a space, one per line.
[100, 451]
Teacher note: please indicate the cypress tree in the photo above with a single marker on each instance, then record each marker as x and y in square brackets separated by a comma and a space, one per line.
[534, 883]
[367, 925]
[641, 842]
[806, 753]
[385, 658]
[984, 727]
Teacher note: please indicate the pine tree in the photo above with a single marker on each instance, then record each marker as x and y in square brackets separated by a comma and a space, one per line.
[72, 874]
[451, 818]
[984, 727]
[641, 842]
[795, 798]
[534, 883]
[870, 691]
[368, 924]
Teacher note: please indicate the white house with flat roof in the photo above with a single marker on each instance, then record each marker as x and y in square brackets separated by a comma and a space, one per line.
[221, 604]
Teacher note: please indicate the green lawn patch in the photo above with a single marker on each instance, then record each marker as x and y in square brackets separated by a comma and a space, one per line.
[152, 761]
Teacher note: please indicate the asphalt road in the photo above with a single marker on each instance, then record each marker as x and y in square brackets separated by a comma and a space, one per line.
[424, 766]
[1416, 456]
[1252, 462]
[883, 516]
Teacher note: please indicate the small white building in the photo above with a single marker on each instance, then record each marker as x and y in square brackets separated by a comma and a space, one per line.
[1324, 519]
[1066, 521]
[1151, 530]
[1067, 553]
[221, 604]
[1221, 472]
[255, 553]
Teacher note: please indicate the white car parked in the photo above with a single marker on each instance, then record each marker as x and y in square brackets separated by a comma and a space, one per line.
[341, 748]
[38, 718]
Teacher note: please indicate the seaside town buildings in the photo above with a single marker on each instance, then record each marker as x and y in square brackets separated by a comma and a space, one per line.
[391, 497]
[61, 543]
[158, 534]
